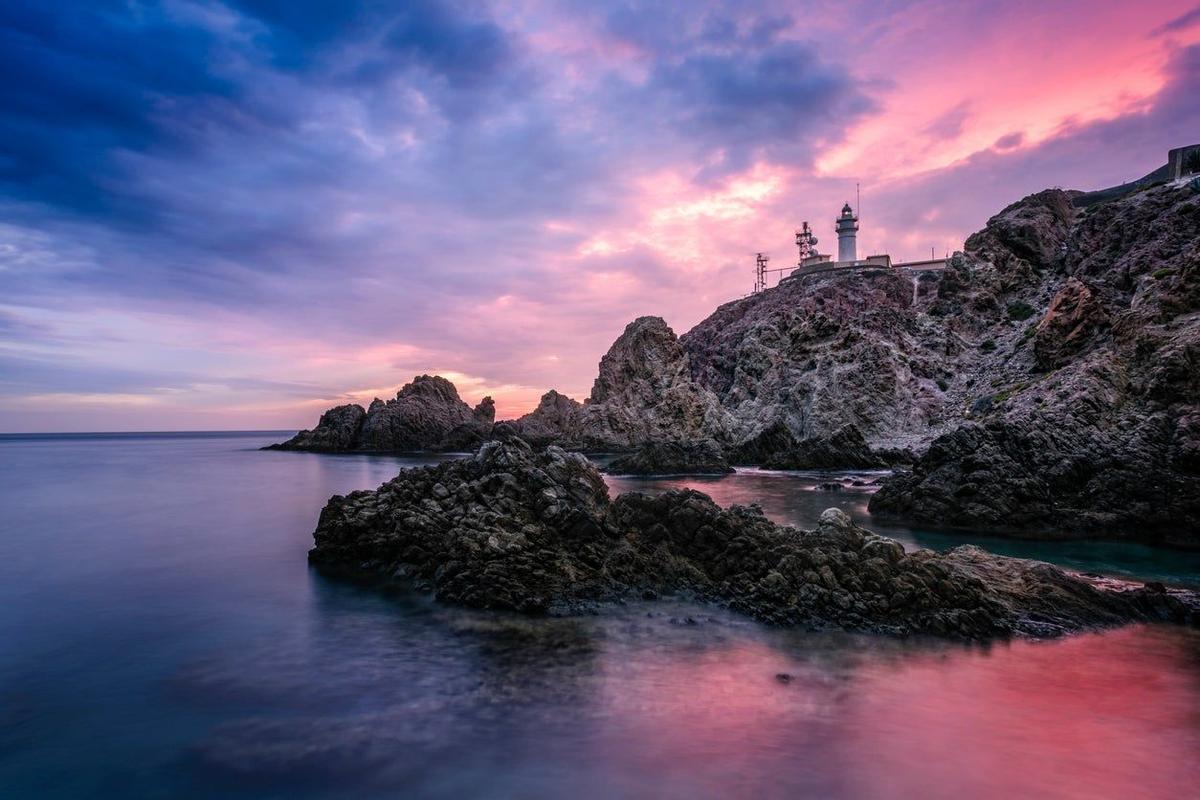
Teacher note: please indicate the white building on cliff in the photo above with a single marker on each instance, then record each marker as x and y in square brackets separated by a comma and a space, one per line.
[846, 226]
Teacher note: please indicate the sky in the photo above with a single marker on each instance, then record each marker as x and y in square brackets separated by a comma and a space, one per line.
[233, 215]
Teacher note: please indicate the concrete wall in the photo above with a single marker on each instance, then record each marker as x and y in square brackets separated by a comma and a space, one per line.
[932, 263]
[1176, 161]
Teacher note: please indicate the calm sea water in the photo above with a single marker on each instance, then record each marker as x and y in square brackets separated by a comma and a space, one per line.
[161, 636]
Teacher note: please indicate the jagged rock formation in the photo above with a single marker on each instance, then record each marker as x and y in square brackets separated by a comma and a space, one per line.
[643, 393]
[339, 429]
[512, 528]
[816, 354]
[555, 414]
[1049, 378]
[426, 414]
[845, 448]
[1089, 418]
[673, 458]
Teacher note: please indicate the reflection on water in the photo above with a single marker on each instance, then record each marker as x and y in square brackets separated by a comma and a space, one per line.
[163, 637]
[798, 499]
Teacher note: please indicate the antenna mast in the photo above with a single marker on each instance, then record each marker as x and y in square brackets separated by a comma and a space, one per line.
[806, 242]
[760, 272]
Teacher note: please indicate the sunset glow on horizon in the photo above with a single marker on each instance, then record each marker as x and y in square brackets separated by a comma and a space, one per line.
[233, 215]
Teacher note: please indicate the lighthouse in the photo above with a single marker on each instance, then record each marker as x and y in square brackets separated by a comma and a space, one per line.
[847, 231]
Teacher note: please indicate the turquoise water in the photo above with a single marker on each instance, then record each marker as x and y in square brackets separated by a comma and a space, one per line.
[162, 636]
[796, 499]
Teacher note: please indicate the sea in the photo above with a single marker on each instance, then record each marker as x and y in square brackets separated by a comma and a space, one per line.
[162, 636]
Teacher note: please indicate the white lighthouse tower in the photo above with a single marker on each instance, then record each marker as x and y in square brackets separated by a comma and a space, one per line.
[847, 232]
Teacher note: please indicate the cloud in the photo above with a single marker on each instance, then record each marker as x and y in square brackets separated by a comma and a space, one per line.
[1009, 140]
[290, 198]
[1086, 156]
[1180, 23]
[755, 99]
[950, 124]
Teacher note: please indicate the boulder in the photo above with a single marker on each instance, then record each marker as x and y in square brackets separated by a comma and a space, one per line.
[1070, 324]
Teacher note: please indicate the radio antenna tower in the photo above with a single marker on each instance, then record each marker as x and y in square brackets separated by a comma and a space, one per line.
[760, 272]
[806, 242]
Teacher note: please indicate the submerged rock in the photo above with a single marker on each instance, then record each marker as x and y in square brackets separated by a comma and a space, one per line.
[512, 528]
[673, 458]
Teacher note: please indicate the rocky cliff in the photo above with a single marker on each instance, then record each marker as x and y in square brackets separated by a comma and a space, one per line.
[1084, 413]
[536, 532]
[426, 414]
[1048, 378]
[644, 392]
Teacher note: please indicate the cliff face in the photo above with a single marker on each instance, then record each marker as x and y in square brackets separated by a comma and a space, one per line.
[817, 354]
[1089, 418]
[643, 393]
[1048, 378]
[426, 414]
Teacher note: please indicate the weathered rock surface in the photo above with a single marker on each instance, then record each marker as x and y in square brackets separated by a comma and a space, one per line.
[555, 414]
[819, 353]
[340, 428]
[1089, 420]
[1071, 323]
[643, 393]
[845, 448]
[512, 528]
[426, 414]
[673, 458]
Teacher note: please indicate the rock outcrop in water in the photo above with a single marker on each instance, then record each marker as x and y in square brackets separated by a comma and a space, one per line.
[513, 528]
[426, 414]
[673, 458]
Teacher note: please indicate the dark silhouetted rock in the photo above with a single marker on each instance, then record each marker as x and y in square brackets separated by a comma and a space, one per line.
[772, 440]
[673, 458]
[513, 528]
[426, 414]
[339, 429]
[555, 418]
[845, 448]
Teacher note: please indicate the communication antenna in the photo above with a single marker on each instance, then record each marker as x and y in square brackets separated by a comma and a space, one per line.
[857, 201]
[760, 272]
[806, 242]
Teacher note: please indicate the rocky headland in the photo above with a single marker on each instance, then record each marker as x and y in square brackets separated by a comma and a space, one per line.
[426, 414]
[1047, 380]
[536, 531]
